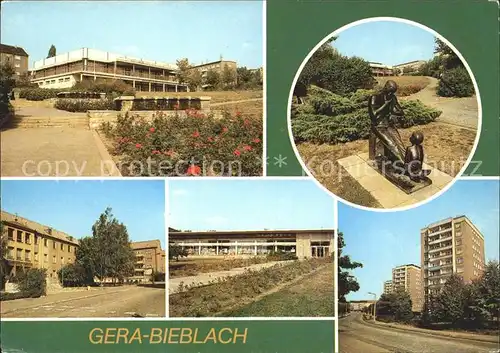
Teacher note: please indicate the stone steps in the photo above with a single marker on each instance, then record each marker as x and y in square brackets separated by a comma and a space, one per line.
[37, 122]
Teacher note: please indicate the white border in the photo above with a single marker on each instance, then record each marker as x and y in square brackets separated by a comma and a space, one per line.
[167, 222]
[336, 274]
[416, 24]
[264, 88]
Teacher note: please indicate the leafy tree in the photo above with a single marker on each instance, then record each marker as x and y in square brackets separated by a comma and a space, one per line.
[194, 79]
[485, 301]
[32, 283]
[7, 84]
[176, 251]
[107, 254]
[451, 303]
[450, 58]
[73, 275]
[183, 70]
[396, 304]
[52, 51]
[4, 265]
[347, 283]
[213, 78]
[228, 77]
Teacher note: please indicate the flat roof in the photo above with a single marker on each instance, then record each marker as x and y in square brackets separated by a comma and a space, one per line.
[146, 244]
[407, 265]
[252, 232]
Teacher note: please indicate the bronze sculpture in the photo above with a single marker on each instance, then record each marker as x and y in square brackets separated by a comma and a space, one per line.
[401, 165]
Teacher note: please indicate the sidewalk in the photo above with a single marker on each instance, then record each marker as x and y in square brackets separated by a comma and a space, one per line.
[202, 279]
[451, 334]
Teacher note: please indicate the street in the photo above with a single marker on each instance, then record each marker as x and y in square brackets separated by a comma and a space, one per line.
[356, 336]
[126, 301]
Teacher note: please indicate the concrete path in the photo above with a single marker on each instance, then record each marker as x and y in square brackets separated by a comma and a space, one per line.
[202, 279]
[235, 102]
[50, 151]
[123, 301]
[461, 112]
[27, 112]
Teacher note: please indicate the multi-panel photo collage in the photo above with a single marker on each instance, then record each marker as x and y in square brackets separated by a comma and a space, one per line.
[211, 176]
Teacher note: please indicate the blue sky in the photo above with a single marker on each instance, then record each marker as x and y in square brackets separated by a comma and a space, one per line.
[249, 205]
[74, 206]
[382, 241]
[387, 42]
[154, 30]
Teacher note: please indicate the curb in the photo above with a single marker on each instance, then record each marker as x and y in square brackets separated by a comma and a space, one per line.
[109, 164]
[489, 339]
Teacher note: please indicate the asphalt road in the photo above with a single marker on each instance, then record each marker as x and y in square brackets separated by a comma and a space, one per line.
[356, 336]
[127, 301]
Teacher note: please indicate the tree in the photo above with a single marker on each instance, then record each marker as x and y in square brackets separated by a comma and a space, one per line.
[183, 70]
[73, 275]
[228, 77]
[450, 304]
[4, 265]
[194, 79]
[52, 51]
[449, 57]
[347, 283]
[485, 299]
[213, 78]
[107, 254]
[7, 84]
[176, 251]
[396, 304]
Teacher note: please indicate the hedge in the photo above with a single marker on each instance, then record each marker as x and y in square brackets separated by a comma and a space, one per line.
[32, 283]
[330, 118]
[455, 83]
[84, 105]
[39, 94]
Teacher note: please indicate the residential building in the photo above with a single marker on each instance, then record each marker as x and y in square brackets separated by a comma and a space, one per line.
[34, 245]
[17, 57]
[452, 245]
[149, 259]
[379, 69]
[387, 287]
[411, 66]
[217, 66]
[359, 305]
[408, 278]
[302, 243]
[65, 70]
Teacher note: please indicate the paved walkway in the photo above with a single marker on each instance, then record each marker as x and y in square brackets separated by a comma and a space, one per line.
[27, 112]
[461, 112]
[235, 102]
[202, 279]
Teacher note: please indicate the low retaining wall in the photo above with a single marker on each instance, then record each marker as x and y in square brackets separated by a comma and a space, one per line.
[97, 117]
[131, 103]
[82, 95]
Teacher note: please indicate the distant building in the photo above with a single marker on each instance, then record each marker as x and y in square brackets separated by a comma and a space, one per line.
[410, 66]
[17, 57]
[217, 66]
[379, 69]
[34, 245]
[302, 243]
[387, 287]
[65, 70]
[408, 277]
[149, 259]
[453, 245]
[359, 305]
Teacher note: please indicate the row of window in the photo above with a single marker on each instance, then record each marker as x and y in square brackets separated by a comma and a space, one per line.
[49, 82]
[17, 254]
[27, 239]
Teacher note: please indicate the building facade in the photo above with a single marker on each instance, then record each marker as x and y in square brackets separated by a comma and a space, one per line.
[216, 66]
[65, 70]
[302, 243]
[409, 66]
[359, 305]
[453, 245]
[17, 57]
[33, 245]
[408, 278]
[379, 69]
[149, 259]
[387, 287]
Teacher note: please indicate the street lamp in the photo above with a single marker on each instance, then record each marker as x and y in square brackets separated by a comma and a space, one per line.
[374, 304]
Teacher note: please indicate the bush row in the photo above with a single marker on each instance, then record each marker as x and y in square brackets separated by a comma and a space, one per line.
[83, 105]
[330, 118]
[39, 94]
[456, 83]
[31, 284]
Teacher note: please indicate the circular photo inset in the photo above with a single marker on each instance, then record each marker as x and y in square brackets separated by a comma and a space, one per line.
[384, 113]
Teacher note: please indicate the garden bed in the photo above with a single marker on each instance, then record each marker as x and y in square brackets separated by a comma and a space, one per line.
[190, 144]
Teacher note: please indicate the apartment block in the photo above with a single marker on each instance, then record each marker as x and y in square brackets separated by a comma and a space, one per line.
[65, 70]
[408, 277]
[17, 57]
[149, 258]
[387, 287]
[217, 66]
[453, 245]
[34, 245]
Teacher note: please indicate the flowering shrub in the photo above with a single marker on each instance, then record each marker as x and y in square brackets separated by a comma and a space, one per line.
[192, 144]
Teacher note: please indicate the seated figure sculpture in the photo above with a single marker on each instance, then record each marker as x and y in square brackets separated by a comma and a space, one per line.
[399, 163]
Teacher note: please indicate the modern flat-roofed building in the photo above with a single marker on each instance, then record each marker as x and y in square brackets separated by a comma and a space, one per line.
[379, 69]
[17, 57]
[408, 277]
[411, 65]
[452, 245]
[387, 287]
[65, 70]
[149, 258]
[359, 305]
[217, 66]
[34, 245]
[302, 243]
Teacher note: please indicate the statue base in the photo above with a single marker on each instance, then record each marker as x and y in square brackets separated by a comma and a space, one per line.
[396, 177]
